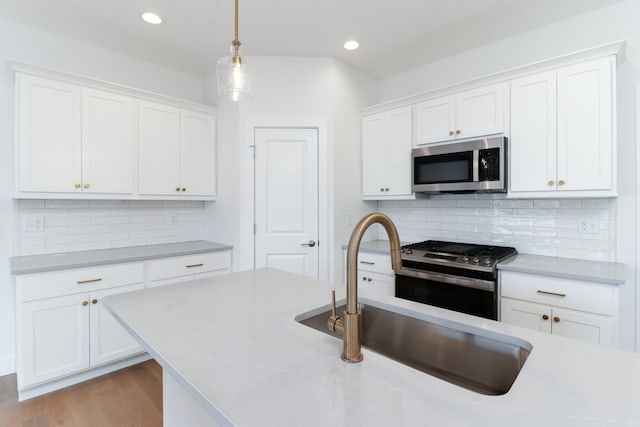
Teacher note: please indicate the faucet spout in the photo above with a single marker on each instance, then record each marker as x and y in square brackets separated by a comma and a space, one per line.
[350, 325]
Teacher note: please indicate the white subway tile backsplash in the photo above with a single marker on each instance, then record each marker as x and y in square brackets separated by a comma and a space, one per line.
[541, 227]
[75, 225]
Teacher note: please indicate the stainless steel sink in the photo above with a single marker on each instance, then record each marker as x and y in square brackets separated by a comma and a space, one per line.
[476, 359]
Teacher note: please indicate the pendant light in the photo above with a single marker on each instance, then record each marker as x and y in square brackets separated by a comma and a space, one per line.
[235, 76]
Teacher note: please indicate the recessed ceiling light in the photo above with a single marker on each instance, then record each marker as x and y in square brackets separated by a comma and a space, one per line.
[151, 18]
[351, 45]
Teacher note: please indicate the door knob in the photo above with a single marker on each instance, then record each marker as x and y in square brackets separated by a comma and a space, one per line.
[310, 243]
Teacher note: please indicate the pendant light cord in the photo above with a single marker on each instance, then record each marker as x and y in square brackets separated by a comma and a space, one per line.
[236, 20]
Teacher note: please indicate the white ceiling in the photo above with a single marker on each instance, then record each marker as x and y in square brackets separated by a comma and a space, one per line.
[394, 35]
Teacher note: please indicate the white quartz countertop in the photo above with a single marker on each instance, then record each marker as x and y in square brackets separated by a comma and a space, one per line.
[233, 343]
[595, 271]
[67, 260]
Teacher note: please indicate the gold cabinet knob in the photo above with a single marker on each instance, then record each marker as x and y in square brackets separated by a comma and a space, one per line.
[85, 303]
[561, 182]
[458, 132]
[551, 182]
[545, 317]
[381, 189]
[364, 279]
[369, 279]
[451, 133]
[184, 189]
[94, 301]
[386, 189]
[556, 319]
[77, 185]
[86, 186]
[177, 188]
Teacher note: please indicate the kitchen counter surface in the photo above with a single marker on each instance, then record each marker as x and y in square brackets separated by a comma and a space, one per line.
[594, 271]
[67, 260]
[233, 344]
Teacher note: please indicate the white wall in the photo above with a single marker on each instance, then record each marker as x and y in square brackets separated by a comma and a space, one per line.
[617, 22]
[28, 45]
[290, 92]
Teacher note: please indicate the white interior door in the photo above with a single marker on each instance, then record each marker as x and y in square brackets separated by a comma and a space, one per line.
[286, 199]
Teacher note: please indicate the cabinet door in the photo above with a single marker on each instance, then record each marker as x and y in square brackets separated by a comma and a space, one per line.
[480, 111]
[527, 315]
[53, 338]
[109, 340]
[583, 326]
[435, 120]
[374, 136]
[49, 135]
[398, 164]
[585, 132]
[159, 149]
[381, 284]
[533, 133]
[108, 142]
[198, 153]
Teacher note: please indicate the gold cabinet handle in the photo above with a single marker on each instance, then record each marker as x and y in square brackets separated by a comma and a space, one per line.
[551, 293]
[94, 301]
[551, 182]
[367, 262]
[561, 182]
[458, 132]
[77, 185]
[86, 186]
[194, 265]
[85, 303]
[80, 282]
[545, 317]
[451, 133]
[556, 319]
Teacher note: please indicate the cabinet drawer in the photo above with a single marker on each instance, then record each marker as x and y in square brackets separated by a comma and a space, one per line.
[47, 285]
[376, 263]
[188, 265]
[566, 293]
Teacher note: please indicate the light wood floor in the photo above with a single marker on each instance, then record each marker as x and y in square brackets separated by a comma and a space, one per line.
[128, 397]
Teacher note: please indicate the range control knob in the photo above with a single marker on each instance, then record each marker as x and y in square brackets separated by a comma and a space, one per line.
[487, 261]
[475, 260]
[465, 258]
[409, 251]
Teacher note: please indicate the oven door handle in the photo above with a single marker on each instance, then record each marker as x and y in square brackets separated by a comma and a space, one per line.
[484, 285]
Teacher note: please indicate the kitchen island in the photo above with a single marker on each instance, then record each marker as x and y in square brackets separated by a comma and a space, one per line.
[232, 354]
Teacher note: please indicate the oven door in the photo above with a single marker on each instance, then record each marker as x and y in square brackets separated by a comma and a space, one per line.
[466, 295]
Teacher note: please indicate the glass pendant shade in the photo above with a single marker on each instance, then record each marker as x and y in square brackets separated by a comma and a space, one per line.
[235, 76]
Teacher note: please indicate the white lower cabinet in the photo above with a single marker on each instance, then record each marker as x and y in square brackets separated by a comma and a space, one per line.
[62, 328]
[585, 311]
[375, 274]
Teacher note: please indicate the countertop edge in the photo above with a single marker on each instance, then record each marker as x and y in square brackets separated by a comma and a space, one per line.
[144, 255]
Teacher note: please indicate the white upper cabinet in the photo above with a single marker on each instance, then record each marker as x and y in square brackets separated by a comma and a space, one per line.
[48, 125]
[562, 133]
[386, 155]
[94, 140]
[472, 113]
[177, 151]
[108, 142]
[159, 148]
[198, 153]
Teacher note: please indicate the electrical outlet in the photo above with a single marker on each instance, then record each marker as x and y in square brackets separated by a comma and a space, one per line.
[34, 224]
[587, 226]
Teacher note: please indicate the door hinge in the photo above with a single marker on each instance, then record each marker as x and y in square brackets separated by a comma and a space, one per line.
[253, 147]
[254, 228]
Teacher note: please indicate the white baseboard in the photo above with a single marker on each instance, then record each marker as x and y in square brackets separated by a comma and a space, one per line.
[7, 365]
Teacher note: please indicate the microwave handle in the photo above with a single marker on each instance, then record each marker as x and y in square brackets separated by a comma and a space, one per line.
[476, 165]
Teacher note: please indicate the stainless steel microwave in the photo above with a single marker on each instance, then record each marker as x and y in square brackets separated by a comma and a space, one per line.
[477, 165]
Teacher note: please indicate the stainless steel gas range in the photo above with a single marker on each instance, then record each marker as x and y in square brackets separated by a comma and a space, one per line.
[456, 276]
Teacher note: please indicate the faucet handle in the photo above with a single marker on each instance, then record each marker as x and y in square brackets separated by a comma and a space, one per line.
[333, 303]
